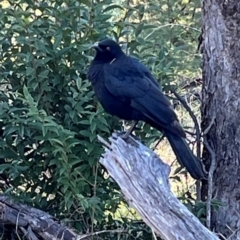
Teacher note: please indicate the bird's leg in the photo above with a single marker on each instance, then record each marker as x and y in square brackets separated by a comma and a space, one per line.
[129, 131]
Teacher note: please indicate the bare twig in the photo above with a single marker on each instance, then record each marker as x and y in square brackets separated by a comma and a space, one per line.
[222, 237]
[172, 25]
[190, 133]
[209, 126]
[210, 173]
[94, 194]
[29, 233]
[161, 138]
[198, 135]
[233, 232]
[102, 140]
[210, 181]
[16, 226]
[194, 118]
[101, 232]
[154, 235]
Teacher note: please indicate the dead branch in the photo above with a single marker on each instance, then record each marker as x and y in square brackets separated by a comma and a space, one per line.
[33, 223]
[143, 179]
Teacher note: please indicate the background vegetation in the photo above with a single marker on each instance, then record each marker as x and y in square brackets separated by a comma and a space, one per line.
[50, 119]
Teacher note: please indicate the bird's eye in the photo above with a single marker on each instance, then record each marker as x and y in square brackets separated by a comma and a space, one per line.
[104, 47]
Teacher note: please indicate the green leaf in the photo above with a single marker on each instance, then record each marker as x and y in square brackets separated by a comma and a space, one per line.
[43, 74]
[30, 71]
[63, 51]
[79, 83]
[111, 7]
[58, 39]
[52, 141]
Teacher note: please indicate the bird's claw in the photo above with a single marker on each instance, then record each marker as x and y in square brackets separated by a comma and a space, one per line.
[128, 138]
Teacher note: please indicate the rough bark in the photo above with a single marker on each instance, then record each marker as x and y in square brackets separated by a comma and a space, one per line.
[33, 223]
[221, 108]
[143, 179]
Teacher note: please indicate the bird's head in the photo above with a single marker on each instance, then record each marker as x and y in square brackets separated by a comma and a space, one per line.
[107, 50]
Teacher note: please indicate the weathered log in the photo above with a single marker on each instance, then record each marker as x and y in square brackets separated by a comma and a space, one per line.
[33, 222]
[143, 179]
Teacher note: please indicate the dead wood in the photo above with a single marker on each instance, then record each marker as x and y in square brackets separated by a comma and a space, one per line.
[143, 179]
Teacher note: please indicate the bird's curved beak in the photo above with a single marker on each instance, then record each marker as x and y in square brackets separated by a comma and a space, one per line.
[96, 46]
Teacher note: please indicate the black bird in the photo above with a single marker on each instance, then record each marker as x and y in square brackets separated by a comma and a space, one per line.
[127, 89]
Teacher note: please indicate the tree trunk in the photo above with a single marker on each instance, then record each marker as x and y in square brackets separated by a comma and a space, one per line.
[143, 179]
[221, 108]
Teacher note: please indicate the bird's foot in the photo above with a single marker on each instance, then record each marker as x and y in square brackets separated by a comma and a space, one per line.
[124, 135]
[128, 138]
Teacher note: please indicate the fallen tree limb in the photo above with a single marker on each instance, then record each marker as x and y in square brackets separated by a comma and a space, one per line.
[33, 223]
[143, 179]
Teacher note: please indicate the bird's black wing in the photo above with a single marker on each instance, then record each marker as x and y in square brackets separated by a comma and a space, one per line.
[144, 70]
[126, 78]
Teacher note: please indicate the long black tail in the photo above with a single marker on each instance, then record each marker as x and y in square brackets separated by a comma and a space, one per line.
[185, 156]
